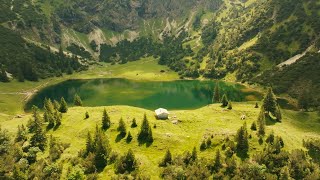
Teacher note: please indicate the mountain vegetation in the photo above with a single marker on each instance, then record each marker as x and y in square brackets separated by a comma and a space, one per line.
[260, 43]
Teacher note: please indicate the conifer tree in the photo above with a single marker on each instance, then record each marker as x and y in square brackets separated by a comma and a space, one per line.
[86, 116]
[261, 122]
[167, 159]
[105, 120]
[242, 139]
[203, 145]
[58, 118]
[48, 106]
[39, 138]
[278, 113]
[134, 123]
[224, 101]
[304, 100]
[270, 139]
[35, 122]
[253, 126]
[77, 100]
[257, 105]
[127, 163]
[102, 150]
[145, 134]
[217, 164]
[270, 102]
[89, 144]
[21, 134]
[122, 127]
[56, 105]
[63, 106]
[229, 105]
[216, 94]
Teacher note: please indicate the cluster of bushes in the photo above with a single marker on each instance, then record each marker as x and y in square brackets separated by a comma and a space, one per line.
[20, 156]
[232, 161]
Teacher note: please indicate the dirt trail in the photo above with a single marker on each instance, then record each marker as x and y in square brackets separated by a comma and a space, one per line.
[28, 93]
[296, 57]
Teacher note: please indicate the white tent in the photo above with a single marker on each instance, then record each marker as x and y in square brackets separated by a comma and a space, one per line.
[162, 113]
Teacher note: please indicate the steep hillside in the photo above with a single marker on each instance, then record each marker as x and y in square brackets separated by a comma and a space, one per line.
[27, 61]
[231, 39]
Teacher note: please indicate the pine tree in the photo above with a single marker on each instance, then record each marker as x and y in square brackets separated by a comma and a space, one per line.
[224, 101]
[35, 122]
[261, 122]
[304, 100]
[253, 126]
[242, 139]
[58, 118]
[89, 144]
[127, 163]
[217, 162]
[257, 105]
[48, 106]
[167, 159]
[270, 102]
[270, 139]
[105, 120]
[77, 100]
[86, 116]
[145, 134]
[278, 114]
[134, 123]
[203, 145]
[39, 138]
[63, 106]
[102, 150]
[229, 105]
[216, 94]
[122, 127]
[56, 105]
[21, 134]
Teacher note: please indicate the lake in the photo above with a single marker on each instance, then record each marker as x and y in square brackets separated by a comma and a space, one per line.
[173, 95]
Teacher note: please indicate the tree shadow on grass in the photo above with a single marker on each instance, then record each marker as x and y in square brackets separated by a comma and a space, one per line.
[56, 127]
[148, 143]
[119, 137]
[270, 121]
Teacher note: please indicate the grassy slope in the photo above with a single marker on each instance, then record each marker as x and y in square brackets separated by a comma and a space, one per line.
[194, 126]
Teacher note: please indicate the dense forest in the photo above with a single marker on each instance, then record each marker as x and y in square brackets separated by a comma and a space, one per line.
[26, 61]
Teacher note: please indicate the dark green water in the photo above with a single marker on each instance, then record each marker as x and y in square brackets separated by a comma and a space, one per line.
[145, 94]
